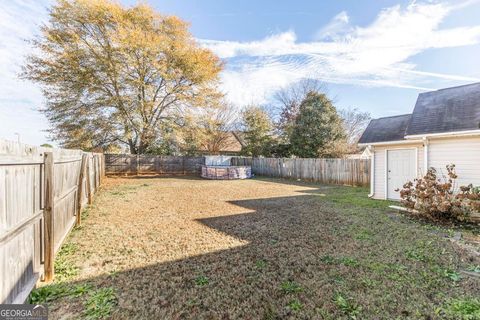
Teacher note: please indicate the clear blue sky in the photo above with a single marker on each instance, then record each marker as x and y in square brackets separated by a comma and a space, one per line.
[375, 55]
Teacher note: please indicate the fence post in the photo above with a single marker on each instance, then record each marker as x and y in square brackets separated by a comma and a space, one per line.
[83, 167]
[104, 172]
[102, 167]
[94, 158]
[49, 216]
[137, 164]
[89, 182]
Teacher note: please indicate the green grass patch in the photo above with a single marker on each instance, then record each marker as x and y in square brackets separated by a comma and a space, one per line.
[364, 234]
[328, 259]
[289, 287]
[347, 306]
[346, 261]
[53, 292]
[201, 281]
[295, 305]
[474, 268]
[123, 190]
[349, 262]
[100, 304]
[47, 293]
[355, 196]
[369, 283]
[415, 254]
[452, 275]
[65, 269]
[261, 264]
[464, 309]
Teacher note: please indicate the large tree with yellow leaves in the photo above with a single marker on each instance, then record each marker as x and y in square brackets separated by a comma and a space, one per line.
[112, 74]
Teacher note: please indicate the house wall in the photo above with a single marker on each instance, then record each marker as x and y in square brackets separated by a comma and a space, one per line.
[379, 179]
[463, 152]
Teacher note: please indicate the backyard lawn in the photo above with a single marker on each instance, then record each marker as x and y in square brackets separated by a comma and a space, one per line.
[186, 248]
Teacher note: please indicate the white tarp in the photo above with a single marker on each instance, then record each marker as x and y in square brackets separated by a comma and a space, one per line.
[217, 160]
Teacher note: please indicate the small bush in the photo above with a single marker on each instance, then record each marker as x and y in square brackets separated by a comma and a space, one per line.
[439, 198]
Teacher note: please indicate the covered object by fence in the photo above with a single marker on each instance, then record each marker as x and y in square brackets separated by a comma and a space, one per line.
[152, 164]
[42, 191]
[354, 172]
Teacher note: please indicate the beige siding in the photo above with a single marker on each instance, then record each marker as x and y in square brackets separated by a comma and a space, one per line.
[379, 170]
[463, 152]
[379, 173]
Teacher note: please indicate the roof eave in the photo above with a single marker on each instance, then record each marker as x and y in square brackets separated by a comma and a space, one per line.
[444, 134]
[381, 143]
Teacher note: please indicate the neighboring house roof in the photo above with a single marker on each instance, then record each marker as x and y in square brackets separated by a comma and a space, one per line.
[232, 143]
[239, 135]
[386, 129]
[366, 154]
[442, 111]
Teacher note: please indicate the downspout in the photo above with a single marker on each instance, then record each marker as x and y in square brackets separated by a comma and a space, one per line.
[425, 155]
[372, 171]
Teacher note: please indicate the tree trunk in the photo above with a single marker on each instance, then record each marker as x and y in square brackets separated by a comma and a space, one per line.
[131, 145]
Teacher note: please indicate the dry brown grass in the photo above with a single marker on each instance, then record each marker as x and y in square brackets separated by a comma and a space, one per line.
[176, 248]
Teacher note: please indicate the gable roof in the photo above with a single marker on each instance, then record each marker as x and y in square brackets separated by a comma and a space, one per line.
[386, 129]
[239, 135]
[442, 111]
[446, 110]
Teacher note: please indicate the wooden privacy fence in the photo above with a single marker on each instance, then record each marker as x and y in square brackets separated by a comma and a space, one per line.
[354, 172]
[151, 164]
[42, 192]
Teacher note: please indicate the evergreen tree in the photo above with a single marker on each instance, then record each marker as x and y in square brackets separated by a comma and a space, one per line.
[318, 129]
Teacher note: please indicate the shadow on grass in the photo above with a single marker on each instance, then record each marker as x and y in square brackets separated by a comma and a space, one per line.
[316, 243]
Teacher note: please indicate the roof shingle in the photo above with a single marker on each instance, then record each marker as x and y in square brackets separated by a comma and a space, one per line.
[386, 129]
[441, 111]
[446, 110]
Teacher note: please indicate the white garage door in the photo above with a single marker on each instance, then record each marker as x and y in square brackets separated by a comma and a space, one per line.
[401, 168]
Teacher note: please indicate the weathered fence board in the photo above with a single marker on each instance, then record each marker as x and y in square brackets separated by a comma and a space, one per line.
[355, 172]
[42, 191]
[151, 164]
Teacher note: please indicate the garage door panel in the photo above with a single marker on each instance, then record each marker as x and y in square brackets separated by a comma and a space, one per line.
[463, 152]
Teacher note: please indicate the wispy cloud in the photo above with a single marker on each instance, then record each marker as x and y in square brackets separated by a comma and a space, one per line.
[336, 27]
[20, 100]
[378, 54]
[375, 55]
